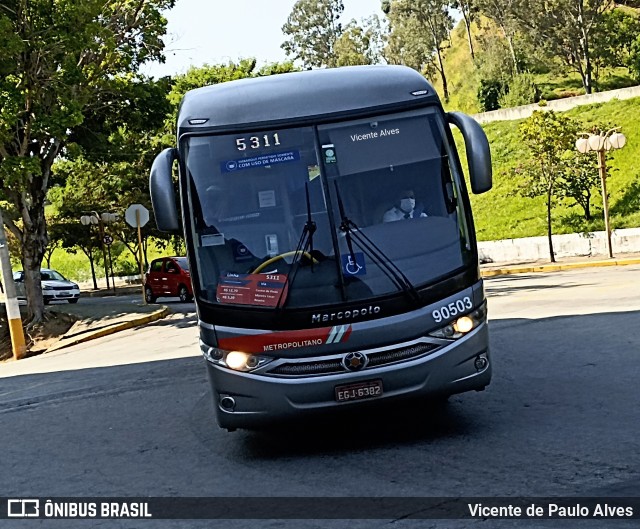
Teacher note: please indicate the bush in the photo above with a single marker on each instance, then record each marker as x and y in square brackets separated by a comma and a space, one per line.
[489, 94]
[522, 90]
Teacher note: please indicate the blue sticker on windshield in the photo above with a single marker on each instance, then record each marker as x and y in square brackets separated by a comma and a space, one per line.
[351, 267]
[259, 161]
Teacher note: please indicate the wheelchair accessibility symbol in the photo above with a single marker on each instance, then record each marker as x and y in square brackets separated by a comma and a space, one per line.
[354, 267]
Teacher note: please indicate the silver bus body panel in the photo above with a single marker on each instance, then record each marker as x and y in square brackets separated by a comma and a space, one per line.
[360, 334]
[444, 367]
[260, 400]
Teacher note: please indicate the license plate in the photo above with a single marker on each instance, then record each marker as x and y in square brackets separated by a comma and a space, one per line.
[362, 390]
[63, 294]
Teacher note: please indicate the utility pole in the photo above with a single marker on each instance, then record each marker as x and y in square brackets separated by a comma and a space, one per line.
[11, 299]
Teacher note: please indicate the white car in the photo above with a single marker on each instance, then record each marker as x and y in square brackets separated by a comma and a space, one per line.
[55, 287]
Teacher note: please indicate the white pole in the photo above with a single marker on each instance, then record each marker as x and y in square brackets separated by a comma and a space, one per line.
[144, 298]
[11, 299]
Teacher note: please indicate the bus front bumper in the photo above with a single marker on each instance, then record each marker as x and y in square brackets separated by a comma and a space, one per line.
[245, 400]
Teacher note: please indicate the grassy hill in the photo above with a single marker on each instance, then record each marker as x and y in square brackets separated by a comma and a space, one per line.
[500, 214]
[463, 77]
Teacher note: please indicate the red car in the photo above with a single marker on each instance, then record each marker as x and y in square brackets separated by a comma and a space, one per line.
[168, 277]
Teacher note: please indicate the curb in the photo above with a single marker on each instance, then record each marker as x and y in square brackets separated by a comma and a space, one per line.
[147, 318]
[557, 267]
[104, 293]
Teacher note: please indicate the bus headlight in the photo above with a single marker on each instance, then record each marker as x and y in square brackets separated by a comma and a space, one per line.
[463, 325]
[236, 360]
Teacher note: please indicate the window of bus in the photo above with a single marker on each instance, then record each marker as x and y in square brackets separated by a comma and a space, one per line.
[251, 196]
[390, 177]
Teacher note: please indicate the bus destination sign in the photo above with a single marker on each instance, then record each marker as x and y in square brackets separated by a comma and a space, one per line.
[252, 289]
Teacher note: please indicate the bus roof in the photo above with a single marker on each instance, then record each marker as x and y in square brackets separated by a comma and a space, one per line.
[299, 96]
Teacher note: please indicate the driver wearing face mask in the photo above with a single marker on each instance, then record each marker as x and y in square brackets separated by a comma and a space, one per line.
[404, 209]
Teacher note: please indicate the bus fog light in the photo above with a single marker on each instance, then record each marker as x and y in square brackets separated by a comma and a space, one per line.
[481, 362]
[236, 359]
[227, 403]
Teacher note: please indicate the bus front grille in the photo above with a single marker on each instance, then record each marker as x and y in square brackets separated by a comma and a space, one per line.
[382, 358]
[321, 367]
[334, 365]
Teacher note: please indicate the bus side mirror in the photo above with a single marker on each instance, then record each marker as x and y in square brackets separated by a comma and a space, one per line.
[163, 197]
[478, 152]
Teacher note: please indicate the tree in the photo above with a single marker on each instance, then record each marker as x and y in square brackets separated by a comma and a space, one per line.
[54, 231]
[502, 13]
[360, 44]
[468, 9]
[57, 61]
[405, 45]
[425, 21]
[615, 44]
[566, 29]
[313, 28]
[549, 136]
[579, 179]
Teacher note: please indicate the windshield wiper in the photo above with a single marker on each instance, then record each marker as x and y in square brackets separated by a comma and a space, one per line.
[304, 243]
[353, 234]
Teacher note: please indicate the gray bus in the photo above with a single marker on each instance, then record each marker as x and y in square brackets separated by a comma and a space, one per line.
[330, 239]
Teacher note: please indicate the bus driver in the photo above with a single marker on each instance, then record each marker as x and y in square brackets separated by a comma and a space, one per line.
[404, 209]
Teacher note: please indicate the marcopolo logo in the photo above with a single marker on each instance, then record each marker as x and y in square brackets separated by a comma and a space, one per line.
[345, 314]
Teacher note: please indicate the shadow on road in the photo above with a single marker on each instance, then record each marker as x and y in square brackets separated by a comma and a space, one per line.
[504, 285]
[358, 430]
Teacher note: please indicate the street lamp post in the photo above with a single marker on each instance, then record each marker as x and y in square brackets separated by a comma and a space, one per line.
[85, 220]
[100, 220]
[108, 240]
[600, 143]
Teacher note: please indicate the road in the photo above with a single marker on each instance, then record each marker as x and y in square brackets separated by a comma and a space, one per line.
[561, 417]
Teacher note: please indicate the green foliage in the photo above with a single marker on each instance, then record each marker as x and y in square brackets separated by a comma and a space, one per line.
[522, 90]
[418, 34]
[60, 62]
[360, 44]
[633, 61]
[489, 94]
[312, 29]
[613, 45]
[548, 136]
[493, 58]
[578, 181]
[553, 76]
[504, 214]
[276, 68]
[407, 44]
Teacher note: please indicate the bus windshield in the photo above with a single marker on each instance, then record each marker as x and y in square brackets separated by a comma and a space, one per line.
[313, 216]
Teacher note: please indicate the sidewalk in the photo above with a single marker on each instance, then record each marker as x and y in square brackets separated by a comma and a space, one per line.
[565, 263]
[102, 319]
[96, 318]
